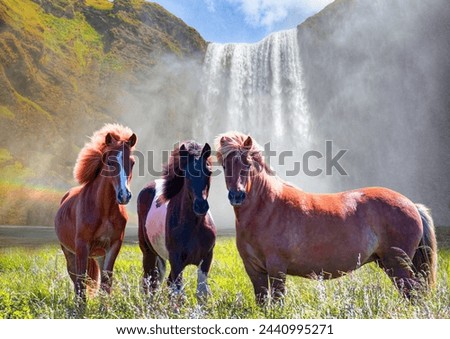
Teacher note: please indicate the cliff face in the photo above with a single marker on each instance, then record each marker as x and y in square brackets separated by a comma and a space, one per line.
[377, 76]
[63, 69]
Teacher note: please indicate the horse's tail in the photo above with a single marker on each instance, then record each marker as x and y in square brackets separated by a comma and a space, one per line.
[144, 202]
[93, 271]
[425, 258]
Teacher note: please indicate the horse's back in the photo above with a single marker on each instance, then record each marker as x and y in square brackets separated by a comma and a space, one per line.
[389, 214]
[367, 201]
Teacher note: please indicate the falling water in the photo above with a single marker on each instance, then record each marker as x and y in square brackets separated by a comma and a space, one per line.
[256, 88]
[376, 90]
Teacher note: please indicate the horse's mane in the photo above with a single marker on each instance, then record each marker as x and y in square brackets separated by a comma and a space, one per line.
[233, 141]
[172, 173]
[89, 159]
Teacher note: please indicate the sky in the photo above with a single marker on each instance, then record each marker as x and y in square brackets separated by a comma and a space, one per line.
[242, 20]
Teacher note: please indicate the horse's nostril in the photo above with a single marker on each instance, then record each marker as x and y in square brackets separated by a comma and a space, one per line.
[201, 207]
[123, 197]
[236, 195]
[230, 195]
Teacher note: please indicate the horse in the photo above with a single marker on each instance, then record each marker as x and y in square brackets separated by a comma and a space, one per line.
[174, 220]
[90, 222]
[282, 230]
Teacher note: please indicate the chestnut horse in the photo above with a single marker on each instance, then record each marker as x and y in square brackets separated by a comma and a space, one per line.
[174, 220]
[90, 222]
[281, 229]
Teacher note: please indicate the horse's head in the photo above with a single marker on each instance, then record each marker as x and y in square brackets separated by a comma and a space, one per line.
[197, 173]
[237, 167]
[118, 164]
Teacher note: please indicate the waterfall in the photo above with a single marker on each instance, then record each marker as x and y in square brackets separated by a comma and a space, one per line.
[256, 88]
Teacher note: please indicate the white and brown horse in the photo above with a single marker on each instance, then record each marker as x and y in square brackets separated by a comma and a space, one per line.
[174, 220]
[282, 230]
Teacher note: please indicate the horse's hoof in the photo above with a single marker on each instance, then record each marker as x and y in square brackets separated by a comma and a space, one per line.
[203, 293]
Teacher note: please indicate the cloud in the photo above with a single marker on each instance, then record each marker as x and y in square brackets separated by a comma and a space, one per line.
[210, 5]
[266, 13]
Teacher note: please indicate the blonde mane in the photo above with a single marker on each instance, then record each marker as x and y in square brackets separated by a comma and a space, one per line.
[89, 159]
[233, 141]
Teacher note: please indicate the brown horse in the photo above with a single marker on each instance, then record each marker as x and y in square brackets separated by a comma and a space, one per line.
[90, 222]
[174, 220]
[281, 229]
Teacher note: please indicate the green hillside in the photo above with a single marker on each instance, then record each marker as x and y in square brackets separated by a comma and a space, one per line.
[63, 66]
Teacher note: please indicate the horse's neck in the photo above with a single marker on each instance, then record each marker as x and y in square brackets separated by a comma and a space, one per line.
[183, 206]
[103, 194]
[261, 188]
[264, 186]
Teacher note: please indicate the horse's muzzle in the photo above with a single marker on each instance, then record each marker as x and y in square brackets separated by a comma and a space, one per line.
[201, 207]
[123, 198]
[236, 197]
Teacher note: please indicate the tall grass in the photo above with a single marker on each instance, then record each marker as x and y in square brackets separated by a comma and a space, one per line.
[34, 284]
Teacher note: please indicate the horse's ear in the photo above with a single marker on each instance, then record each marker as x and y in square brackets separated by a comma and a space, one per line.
[248, 143]
[132, 141]
[224, 140]
[184, 154]
[109, 139]
[183, 151]
[206, 151]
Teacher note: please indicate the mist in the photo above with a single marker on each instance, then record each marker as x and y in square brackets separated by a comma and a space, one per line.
[372, 77]
[377, 77]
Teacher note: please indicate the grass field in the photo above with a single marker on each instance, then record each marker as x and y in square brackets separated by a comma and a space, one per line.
[34, 284]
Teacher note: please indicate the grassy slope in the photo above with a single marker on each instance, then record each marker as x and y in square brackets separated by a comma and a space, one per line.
[35, 285]
[63, 66]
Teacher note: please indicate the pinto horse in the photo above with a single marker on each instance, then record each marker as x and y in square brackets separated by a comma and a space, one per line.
[91, 219]
[174, 220]
[281, 229]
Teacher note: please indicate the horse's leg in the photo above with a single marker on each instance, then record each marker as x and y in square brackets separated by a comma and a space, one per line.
[71, 268]
[81, 262]
[154, 271]
[159, 271]
[175, 281]
[396, 264]
[108, 266]
[93, 271]
[260, 283]
[277, 278]
[154, 267]
[202, 277]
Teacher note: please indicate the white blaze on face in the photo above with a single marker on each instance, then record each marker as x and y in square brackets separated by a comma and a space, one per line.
[123, 179]
[155, 225]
